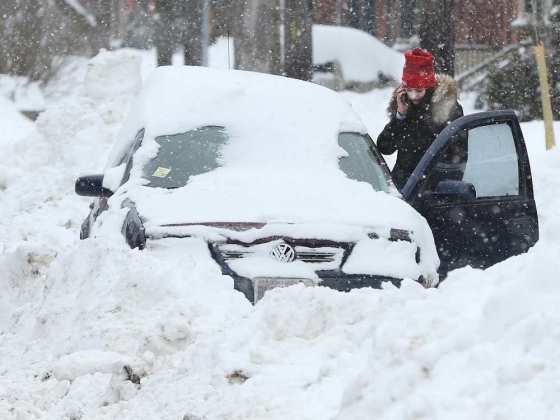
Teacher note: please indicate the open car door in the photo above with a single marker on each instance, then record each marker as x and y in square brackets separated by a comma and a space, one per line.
[478, 202]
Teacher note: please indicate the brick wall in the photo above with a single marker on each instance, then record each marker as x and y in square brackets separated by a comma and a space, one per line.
[477, 22]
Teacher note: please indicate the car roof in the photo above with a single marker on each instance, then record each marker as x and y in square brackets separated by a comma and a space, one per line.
[255, 107]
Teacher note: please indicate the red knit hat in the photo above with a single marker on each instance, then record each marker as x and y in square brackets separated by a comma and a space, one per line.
[418, 71]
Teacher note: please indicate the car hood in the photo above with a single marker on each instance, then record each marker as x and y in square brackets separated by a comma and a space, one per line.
[273, 206]
[272, 197]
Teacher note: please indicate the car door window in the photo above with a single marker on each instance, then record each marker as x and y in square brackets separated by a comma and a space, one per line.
[491, 164]
[361, 162]
[128, 158]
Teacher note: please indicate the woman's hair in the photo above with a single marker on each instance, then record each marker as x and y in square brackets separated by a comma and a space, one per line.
[426, 100]
[429, 94]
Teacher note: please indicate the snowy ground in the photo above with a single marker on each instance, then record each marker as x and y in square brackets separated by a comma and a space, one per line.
[93, 330]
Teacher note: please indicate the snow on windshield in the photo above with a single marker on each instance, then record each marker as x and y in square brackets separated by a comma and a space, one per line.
[183, 155]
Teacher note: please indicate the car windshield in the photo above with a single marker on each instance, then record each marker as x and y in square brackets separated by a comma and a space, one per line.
[361, 164]
[183, 155]
[195, 152]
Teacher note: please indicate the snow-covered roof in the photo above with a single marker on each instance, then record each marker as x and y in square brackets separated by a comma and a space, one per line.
[361, 55]
[251, 106]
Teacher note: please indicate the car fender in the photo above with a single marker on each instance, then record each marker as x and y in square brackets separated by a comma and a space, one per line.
[133, 228]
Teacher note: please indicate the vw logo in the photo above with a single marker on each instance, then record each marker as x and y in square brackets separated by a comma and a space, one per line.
[283, 253]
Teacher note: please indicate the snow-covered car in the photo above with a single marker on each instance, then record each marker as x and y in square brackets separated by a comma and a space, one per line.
[277, 182]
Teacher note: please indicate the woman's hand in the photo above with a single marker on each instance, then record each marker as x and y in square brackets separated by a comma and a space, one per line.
[402, 107]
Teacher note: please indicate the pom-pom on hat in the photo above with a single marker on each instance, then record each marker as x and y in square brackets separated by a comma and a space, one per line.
[418, 71]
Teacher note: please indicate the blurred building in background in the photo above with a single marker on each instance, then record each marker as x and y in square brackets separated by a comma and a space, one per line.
[469, 37]
[482, 28]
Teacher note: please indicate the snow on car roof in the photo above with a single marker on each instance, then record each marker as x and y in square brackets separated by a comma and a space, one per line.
[358, 53]
[289, 113]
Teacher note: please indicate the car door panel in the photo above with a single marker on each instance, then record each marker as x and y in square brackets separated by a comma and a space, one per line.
[481, 235]
[502, 220]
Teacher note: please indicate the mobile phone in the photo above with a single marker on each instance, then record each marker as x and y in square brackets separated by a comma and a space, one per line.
[406, 99]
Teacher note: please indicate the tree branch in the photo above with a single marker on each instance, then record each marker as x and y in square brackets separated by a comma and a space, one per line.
[76, 13]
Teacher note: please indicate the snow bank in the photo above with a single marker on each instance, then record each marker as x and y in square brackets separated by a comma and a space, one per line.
[86, 362]
[105, 309]
[24, 94]
[13, 125]
[94, 330]
[38, 167]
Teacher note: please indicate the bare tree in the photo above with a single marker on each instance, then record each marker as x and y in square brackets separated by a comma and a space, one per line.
[93, 24]
[101, 10]
[167, 11]
[437, 34]
[192, 33]
[25, 33]
[298, 24]
[178, 22]
[32, 34]
[256, 27]
[256, 30]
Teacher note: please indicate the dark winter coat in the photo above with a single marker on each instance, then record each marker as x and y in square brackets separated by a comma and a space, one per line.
[412, 136]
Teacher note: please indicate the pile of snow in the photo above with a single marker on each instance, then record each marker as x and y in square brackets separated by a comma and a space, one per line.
[24, 94]
[13, 125]
[362, 56]
[71, 72]
[38, 171]
[92, 329]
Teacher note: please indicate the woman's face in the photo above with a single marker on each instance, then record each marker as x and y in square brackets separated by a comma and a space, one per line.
[416, 94]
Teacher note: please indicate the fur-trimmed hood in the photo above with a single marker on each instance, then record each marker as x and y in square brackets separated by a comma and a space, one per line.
[445, 96]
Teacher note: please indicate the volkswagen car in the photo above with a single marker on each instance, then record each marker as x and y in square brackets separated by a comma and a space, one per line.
[277, 182]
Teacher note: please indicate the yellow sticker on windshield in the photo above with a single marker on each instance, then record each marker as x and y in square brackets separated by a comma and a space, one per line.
[161, 172]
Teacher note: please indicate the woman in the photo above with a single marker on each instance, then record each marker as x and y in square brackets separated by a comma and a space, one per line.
[417, 120]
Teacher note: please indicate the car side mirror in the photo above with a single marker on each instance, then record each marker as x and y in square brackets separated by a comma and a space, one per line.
[92, 186]
[454, 191]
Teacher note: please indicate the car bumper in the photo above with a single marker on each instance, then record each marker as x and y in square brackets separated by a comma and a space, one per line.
[339, 281]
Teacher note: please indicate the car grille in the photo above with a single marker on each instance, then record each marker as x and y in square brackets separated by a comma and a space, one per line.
[232, 255]
[315, 256]
[301, 255]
